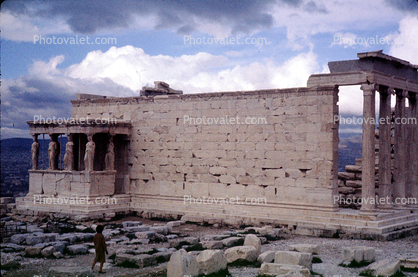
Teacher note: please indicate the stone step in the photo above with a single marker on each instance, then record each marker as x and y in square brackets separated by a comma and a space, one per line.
[393, 221]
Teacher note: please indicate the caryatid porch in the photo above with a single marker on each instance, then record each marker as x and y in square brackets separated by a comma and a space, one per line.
[93, 164]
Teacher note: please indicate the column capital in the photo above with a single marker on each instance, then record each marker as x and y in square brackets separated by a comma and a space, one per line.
[368, 89]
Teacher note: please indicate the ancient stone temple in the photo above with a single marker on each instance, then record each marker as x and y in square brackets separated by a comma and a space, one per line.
[196, 157]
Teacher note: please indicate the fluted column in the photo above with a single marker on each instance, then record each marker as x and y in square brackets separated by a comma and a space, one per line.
[385, 148]
[368, 151]
[399, 190]
[412, 182]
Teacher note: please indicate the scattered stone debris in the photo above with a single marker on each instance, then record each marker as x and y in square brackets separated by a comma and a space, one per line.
[134, 245]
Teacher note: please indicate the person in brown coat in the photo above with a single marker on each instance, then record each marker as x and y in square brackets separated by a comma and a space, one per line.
[100, 247]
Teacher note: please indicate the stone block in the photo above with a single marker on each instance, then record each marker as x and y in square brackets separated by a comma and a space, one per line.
[359, 254]
[181, 263]
[294, 258]
[212, 244]
[48, 251]
[211, 261]
[64, 184]
[77, 249]
[49, 185]
[266, 257]
[241, 254]
[386, 267]
[233, 241]
[33, 251]
[253, 240]
[35, 181]
[273, 269]
[304, 248]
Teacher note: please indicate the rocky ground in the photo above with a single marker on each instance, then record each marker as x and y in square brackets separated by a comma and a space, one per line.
[40, 252]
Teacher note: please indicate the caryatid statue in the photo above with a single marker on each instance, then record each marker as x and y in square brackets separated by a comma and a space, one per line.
[110, 155]
[69, 154]
[53, 151]
[89, 156]
[35, 152]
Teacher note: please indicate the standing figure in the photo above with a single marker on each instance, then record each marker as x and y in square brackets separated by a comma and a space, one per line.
[53, 150]
[110, 156]
[89, 156]
[35, 152]
[100, 247]
[69, 154]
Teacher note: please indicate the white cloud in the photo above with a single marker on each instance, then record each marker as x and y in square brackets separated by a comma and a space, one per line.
[25, 28]
[405, 42]
[133, 68]
[340, 16]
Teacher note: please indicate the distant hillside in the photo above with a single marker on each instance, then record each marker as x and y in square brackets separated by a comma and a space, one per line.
[16, 160]
[349, 149]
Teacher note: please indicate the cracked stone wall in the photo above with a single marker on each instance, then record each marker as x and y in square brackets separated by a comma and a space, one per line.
[291, 160]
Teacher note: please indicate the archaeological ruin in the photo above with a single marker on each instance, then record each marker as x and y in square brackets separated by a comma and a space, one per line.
[156, 156]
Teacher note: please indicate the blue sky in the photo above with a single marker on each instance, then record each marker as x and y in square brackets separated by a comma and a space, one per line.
[146, 41]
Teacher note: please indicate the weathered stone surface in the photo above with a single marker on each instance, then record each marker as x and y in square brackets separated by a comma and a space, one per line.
[305, 248]
[143, 260]
[212, 244]
[162, 257]
[253, 240]
[211, 261]
[233, 241]
[19, 238]
[359, 253]
[77, 249]
[181, 263]
[159, 229]
[213, 237]
[184, 241]
[122, 257]
[274, 269]
[48, 251]
[12, 246]
[33, 251]
[58, 255]
[266, 257]
[173, 226]
[241, 254]
[386, 267]
[294, 258]
[126, 224]
[145, 235]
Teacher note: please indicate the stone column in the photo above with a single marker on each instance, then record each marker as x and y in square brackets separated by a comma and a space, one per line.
[35, 152]
[412, 182]
[399, 190]
[385, 148]
[368, 152]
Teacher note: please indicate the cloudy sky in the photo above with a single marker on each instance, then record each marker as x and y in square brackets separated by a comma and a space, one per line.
[51, 50]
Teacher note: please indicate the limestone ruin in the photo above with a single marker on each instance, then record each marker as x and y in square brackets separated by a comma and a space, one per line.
[150, 156]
